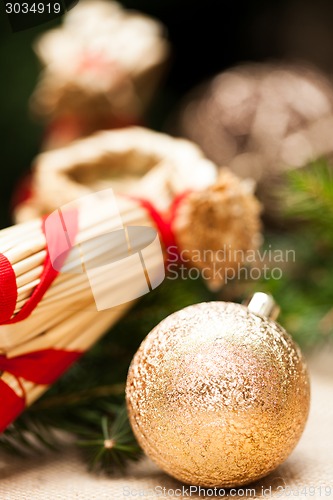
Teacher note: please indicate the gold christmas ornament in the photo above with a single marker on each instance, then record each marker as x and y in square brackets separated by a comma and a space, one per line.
[217, 394]
[261, 120]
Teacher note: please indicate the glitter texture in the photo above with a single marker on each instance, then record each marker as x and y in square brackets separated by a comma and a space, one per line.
[218, 396]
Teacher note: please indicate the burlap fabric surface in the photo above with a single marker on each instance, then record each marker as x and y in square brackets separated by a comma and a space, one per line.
[308, 473]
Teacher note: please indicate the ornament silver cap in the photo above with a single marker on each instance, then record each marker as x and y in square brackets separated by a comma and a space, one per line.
[263, 304]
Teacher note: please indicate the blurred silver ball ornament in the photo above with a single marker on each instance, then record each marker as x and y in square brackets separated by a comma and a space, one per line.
[261, 120]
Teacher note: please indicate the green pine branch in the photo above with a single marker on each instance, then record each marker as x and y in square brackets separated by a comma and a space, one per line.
[309, 196]
[114, 446]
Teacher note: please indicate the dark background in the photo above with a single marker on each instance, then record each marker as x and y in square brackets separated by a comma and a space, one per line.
[207, 37]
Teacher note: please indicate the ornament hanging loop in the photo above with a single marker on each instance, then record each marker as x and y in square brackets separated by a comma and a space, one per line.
[264, 305]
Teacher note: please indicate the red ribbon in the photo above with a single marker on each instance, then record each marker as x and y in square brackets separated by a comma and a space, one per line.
[41, 367]
[164, 222]
[8, 290]
[8, 286]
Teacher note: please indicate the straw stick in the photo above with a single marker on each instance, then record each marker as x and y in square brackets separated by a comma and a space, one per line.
[29, 263]
[28, 277]
[25, 249]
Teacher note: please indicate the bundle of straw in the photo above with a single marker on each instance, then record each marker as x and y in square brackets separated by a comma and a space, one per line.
[66, 317]
[132, 160]
[65, 320]
[101, 68]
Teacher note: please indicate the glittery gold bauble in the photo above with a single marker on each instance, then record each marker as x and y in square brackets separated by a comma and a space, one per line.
[217, 395]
